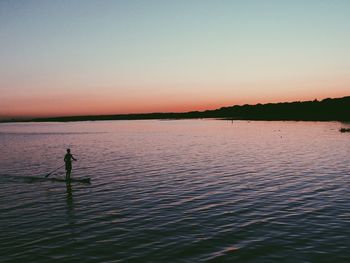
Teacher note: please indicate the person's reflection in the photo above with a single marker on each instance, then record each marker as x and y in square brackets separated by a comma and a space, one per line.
[71, 225]
[70, 203]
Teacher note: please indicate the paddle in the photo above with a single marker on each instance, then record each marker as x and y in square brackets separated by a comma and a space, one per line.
[53, 171]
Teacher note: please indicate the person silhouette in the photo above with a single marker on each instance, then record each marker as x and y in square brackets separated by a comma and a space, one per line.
[68, 161]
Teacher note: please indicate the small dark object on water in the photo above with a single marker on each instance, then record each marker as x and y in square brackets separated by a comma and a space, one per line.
[85, 180]
[344, 130]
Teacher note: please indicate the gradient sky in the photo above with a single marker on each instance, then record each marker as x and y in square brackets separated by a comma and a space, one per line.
[108, 57]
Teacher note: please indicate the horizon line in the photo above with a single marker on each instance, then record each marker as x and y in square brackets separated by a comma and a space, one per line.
[29, 118]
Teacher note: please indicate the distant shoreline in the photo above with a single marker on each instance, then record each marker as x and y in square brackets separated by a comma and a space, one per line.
[337, 109]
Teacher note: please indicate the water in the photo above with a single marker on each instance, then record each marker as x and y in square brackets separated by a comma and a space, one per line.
[176, 191]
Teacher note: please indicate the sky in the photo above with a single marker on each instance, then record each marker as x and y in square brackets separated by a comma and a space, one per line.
[61, 58]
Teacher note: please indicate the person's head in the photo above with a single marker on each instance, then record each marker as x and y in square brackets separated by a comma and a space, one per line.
[68, 150]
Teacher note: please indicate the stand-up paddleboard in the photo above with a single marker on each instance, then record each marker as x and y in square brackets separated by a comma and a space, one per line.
[85, 180]
[33, 179]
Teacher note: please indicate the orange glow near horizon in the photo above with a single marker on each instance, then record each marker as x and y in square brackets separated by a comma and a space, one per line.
[109, 106]
[99, 99]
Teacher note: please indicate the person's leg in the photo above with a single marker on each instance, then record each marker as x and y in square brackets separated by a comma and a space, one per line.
[68, 174]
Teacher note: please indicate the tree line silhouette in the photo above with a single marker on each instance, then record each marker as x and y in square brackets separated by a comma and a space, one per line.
[337, 109]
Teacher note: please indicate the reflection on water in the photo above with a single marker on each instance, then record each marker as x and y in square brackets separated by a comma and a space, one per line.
[69, 198]
[71, 220]
[184, 191]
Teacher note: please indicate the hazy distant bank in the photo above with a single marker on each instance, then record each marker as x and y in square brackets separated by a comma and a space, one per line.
[337, 109]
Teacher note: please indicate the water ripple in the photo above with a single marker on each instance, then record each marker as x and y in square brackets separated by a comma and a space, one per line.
[182, 191]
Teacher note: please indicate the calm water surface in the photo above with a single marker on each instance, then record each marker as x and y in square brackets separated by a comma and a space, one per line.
[176, 191]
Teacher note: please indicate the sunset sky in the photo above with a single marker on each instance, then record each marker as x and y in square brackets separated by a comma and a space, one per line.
[131, 56]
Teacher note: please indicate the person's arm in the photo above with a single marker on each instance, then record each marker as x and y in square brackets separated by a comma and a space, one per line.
[74, 158]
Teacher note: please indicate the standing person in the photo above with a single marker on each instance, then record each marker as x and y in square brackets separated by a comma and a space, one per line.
[68, 161]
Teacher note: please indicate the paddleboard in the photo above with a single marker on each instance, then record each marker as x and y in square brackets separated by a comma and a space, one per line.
[32, 179]
[85, 180]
